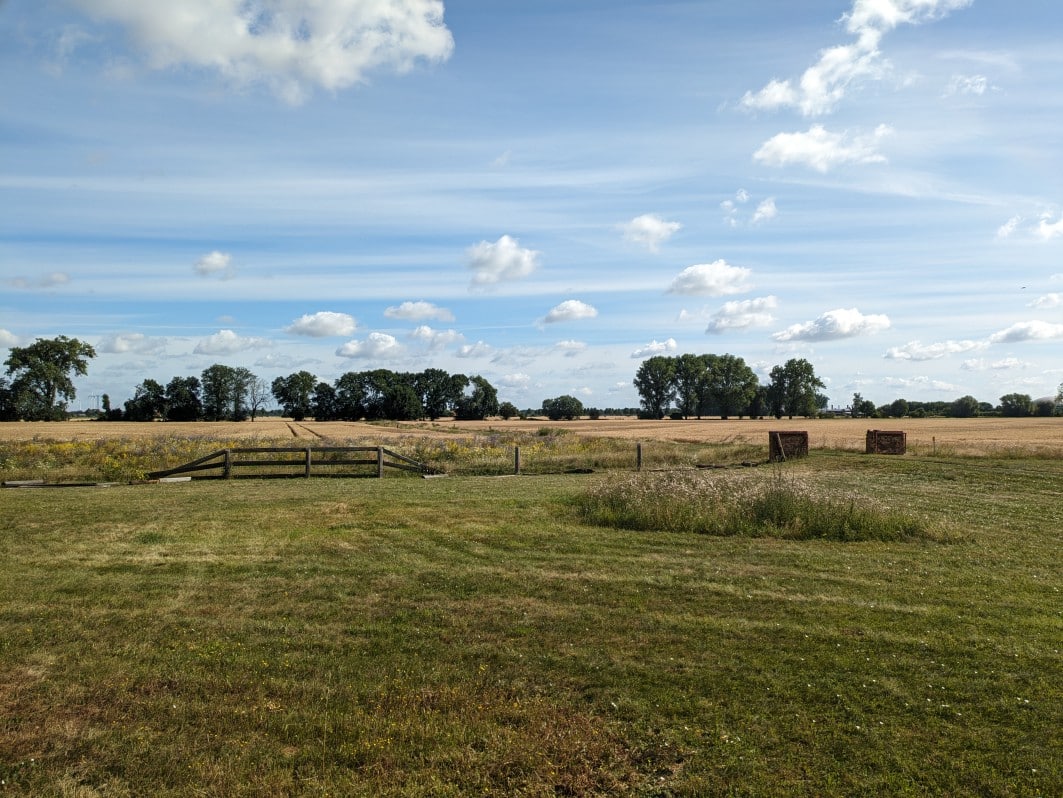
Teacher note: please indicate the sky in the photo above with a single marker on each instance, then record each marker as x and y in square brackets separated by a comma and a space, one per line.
[542, 192]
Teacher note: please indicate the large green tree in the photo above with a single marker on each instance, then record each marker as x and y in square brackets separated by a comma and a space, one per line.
[148, 402]
[42, 376]
[183, 401]
[564, 407]
[654, 382]
[226, 393]
[793, 388]
[731, 384]
[480, 403]
[294, 394]
[689, 380]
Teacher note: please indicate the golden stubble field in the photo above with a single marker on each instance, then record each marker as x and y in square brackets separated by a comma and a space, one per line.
[1039, 436]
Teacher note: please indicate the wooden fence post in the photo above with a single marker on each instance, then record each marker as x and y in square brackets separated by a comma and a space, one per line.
[380, 462]
[228, 467]
[308, 461]
[638, 457]
[516, 460]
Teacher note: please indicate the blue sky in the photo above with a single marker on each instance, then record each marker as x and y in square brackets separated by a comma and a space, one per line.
[544, 192]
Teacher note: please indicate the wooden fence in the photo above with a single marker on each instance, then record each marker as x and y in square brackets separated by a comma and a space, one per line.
[226, 463]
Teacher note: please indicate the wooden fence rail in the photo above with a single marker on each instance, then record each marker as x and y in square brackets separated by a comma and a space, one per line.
[229, 461]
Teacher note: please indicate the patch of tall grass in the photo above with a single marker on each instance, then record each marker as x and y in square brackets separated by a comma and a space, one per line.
[746, 504]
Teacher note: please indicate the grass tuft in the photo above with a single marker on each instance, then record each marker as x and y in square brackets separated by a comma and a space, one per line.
[733, 503]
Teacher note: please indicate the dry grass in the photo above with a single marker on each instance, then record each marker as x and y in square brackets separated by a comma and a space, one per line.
[953, 436]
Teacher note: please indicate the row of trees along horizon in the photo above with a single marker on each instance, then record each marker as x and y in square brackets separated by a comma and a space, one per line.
[39, 385]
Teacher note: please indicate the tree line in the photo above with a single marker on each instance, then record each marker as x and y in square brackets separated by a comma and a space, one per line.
[723, 385]
[38, 386]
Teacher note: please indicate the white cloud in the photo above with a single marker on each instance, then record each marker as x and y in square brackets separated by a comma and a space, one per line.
[656, 348]
[419, 311]
[1010, 226]
[1049, 230]
[8, 339]
[290, 45]
[650, 231]
[914, 350]
[518, 381]
[214, 263]
[323, 324]
[126, 343]
[503, 260]
[1006, 364]
[478, 349]
[1047, 302]
[741, 314]
[824, 84]
[821, 149]
[711, 279]
[570, 348]
[766, 211]
[227, 342]
[376, 345]
[1028, 331]
[833, 325]
[967, 84]
[570, 310]
[437, 339]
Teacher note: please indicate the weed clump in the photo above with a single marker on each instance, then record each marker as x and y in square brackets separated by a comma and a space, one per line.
[749, 505]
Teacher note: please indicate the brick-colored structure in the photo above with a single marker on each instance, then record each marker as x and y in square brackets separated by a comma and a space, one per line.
[786, 445]
[881, 441]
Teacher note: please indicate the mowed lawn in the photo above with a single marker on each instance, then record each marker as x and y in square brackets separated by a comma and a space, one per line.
[471, 636]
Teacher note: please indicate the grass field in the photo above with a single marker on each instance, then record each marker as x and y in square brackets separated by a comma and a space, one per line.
[479, 636]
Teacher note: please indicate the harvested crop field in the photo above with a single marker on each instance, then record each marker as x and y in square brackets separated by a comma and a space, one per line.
[973, 436]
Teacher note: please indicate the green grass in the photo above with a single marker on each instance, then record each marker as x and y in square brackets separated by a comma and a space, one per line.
[472, 635]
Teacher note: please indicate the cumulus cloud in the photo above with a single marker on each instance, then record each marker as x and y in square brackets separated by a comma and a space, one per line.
[1028, 331]
[570, 310]
[322, 324]
[821, 149]
[517, 381]
[711, 279]
[377, 345]
[570, 348]
[915, 350]
[1047, 302]
[418, 311]
[741, 314]
[437, 339]
[478, 349]
[1005, 364]
[227, 342]
[656, 347]
[1048, 230]
[290, 45]
[824, 84]
[766, 211]
[214, 263]
[833, 325]
[126, 343]
[8, 339]
[650, 231]
[503, 260]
